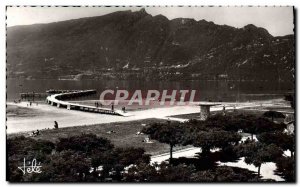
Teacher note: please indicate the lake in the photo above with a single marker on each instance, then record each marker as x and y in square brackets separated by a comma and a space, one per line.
[226, 91]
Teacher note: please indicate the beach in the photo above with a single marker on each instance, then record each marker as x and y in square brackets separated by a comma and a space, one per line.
[42, 116]
[23, 119]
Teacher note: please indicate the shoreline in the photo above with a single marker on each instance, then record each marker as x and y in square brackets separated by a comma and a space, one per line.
[44, 115]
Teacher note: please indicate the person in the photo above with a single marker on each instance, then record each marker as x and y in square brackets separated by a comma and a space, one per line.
[55, 125]
[37, 132]
[30, 103]
[112, 107]
[224, 110]
[168, 121]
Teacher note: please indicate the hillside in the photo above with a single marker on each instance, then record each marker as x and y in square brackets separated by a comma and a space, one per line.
[131, 45]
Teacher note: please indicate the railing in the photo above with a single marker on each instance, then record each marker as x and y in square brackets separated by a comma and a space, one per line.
[57, 100]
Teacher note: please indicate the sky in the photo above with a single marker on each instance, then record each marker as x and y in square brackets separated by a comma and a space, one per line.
[277, 20]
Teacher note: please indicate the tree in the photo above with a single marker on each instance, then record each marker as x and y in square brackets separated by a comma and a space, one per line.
[171, 134]
[179, 173]
[127, 156]
[106, 159]
[203, 176]
[227, 123]
[283, 140]
[86, 143]
[208, 140]
[74, 159]
[142, 173]
[218, 122]
[160, 173]
[29, 146]
[273, 114]
[246, 123]
[22, 147]
[64, 166]
[253, 125]
[233, 174]
[257, 153]
[114, 161]
[224, 174]
[286, 168]
[265, 125]
[291, 99]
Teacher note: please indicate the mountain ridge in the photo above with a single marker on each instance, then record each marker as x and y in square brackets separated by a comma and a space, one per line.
[130, 45]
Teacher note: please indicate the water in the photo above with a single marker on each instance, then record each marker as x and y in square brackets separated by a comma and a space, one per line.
[227, 91]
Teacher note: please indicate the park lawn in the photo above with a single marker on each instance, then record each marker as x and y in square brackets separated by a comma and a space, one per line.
[256, 113]
[124, 136]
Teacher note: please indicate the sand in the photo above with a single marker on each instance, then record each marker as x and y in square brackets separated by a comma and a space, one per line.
[47, 114]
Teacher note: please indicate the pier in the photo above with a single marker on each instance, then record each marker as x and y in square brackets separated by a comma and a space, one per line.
[34, 95]
[52, 91]
[57, 100]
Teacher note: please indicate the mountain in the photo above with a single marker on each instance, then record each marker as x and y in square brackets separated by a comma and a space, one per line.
[130, 45]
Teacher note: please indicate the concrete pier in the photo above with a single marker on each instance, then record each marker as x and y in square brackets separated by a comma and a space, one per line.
[57, 100]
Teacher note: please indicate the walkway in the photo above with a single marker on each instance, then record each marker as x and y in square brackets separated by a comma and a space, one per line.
[57, 100]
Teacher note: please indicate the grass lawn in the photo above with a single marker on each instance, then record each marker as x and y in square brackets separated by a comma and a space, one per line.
[124, 136]
[245, 111]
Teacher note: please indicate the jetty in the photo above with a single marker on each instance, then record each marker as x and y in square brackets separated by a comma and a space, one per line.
[58, 101]
[52, 91]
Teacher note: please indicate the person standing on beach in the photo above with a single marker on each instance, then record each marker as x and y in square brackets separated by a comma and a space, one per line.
[55, 125]
[112, 107]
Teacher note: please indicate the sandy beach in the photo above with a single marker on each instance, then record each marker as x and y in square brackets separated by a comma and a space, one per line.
[42, 116]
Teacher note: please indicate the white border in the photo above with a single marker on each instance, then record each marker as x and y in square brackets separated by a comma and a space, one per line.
[3, 3]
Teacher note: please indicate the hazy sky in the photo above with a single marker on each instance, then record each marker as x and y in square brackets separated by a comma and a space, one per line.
[277, 20]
